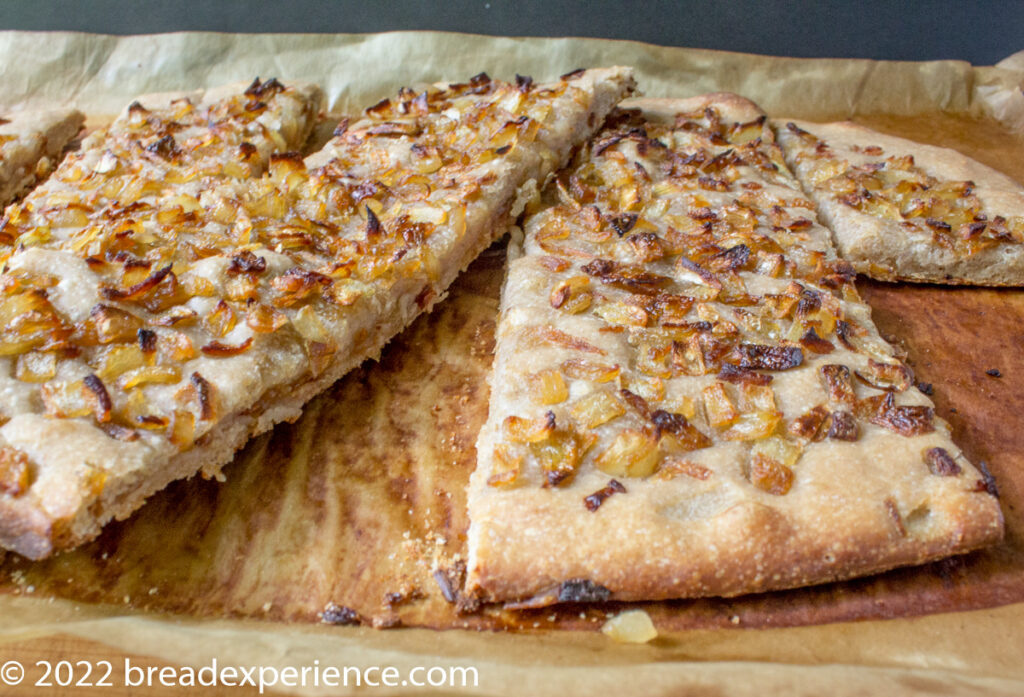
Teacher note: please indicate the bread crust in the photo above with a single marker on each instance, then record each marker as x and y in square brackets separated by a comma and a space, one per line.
[854, 508]
[888, 249]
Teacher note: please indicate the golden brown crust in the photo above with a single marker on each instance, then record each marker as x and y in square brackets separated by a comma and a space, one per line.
[911, 240]
[573, 501]
[748, 548]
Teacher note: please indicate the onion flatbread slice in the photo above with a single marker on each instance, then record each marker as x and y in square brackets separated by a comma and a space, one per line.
[901, 210]
[689, 397]
[169, 329]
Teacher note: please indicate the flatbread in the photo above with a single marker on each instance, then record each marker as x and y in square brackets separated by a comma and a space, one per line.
[905, 211]
[31, 143]
[259, 292]
[689, 398]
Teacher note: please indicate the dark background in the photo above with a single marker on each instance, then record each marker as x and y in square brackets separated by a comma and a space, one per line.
[982, 32]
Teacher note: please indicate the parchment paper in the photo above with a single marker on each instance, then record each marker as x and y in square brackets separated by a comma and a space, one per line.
[100, 74]
[960, 653]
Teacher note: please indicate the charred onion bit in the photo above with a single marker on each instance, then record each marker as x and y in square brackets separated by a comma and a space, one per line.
[838, 383]
[594, 501]
[904, 420]
[729, 260]
[246, 262]
[810, 426]
[147, 340]
[524, 83]
[264, 90]
[445, 584]
[845, 332]
[219, 350]
[452, 582]
[768, 357]
[814, 343]
[987, 483]
[626, 277]
[118, 432]
[894, 514]
[706, 276]
[810, 301]
[340, 615]
[623, 223]
[735, 374]
[297, 285]
[165, 147]
[581, 590]
[99, 397]
[941, 463]
[342, 126]
[843, 426]
[637, 402]
[887, 376]
[204, 395]
[373, 226]
[561, 473]
[685, 433]
[138, 289]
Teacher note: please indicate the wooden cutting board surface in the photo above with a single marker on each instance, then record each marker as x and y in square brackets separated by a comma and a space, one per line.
[357, 502]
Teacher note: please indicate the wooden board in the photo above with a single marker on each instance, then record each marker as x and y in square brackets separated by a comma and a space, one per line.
[359, 501]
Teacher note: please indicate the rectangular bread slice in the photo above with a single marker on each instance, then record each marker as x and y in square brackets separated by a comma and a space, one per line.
[174, 334]
[906, 211]
[31, 143]
[115, 213]
[689, 397]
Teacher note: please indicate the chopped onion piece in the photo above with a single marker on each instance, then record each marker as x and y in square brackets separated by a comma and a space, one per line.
[630, 627]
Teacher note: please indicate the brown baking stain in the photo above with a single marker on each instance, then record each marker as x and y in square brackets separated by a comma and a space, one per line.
[365, 494]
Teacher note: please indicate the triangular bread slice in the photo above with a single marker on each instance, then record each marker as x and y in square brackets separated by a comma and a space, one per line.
[689, 398]
[31, 143]
[906, 211]
[173, 330]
